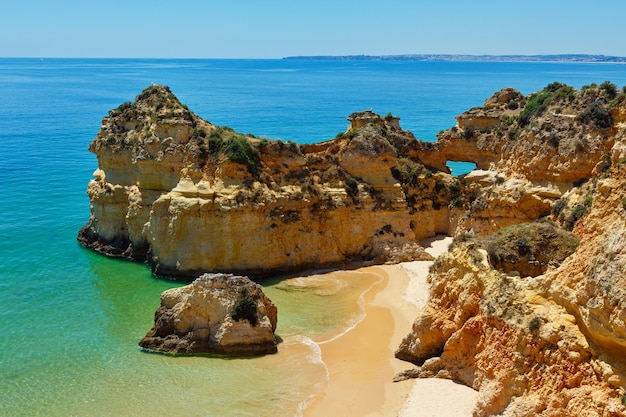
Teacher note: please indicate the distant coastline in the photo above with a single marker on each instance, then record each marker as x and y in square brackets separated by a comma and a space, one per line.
[476, 58]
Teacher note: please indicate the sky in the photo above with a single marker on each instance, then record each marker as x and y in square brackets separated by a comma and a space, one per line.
[279, 28]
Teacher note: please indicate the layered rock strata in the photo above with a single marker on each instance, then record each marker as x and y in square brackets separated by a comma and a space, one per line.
[215, 314]
[191, 197]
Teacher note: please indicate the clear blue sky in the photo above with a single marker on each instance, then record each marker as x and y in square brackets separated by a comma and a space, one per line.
[278, 28]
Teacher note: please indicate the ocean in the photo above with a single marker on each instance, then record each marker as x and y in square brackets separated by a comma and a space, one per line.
[71, 319]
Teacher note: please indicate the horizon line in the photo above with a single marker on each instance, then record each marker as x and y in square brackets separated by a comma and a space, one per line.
[569, 57]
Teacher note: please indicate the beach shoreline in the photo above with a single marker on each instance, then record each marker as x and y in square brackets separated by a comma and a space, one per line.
[361, 363]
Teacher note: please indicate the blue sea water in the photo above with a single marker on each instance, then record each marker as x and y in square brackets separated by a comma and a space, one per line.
[71, 319]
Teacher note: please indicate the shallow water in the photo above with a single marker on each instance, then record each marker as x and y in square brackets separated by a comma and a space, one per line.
[99, 368]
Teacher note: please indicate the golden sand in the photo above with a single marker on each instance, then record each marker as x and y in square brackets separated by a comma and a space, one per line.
[361, 363]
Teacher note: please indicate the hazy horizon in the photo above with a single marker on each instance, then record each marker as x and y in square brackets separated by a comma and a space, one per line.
[278, 28]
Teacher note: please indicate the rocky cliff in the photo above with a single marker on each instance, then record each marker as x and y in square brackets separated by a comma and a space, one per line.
[191, 197]
[217, 314]
[531, 316]
[540, 340]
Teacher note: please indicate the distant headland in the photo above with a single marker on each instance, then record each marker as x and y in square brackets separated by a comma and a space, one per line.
[475, 58]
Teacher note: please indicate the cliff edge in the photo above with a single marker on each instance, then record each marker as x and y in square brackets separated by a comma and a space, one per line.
[190, 197]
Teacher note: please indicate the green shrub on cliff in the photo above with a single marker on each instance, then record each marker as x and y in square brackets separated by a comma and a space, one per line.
[199, 135]
[407, 171]
[578, 212]
[245, 309]
[121, 108]
[554, 87]
[596, 113]
[565, 93]
[238, 149]
[528, 248]
[439, 185]
[534, 324]
[214, 143]
[352, 186]
[558, 207]
[609, 88]
[224, 140]
[536, 105]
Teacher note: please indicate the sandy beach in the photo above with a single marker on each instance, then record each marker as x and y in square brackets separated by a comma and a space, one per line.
[361, 363]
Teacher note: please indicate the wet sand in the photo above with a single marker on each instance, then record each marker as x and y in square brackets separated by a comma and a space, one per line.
[361, 362]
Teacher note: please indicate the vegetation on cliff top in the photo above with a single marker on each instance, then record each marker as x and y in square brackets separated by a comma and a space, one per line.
[375, 165]
[225, 141]
[245, 308]
[154, 103]
[553, 123]
[526, 249]
[596, 102]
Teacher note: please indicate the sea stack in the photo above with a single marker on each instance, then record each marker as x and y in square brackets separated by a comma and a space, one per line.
[215, 314]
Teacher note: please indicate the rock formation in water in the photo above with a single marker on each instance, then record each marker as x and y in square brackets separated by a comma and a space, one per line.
[533, 337]
[217, 314]
[191, 197]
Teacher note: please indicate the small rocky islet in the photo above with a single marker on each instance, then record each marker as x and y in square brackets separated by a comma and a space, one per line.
[218, 314]
[527, 307]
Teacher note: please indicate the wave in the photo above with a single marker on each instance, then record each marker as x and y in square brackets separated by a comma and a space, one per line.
[316, 358]
[361, 303]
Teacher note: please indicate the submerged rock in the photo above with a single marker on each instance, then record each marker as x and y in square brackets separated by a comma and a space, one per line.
[217, 314]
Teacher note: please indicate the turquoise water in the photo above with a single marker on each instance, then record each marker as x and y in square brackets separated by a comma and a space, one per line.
[71, 319]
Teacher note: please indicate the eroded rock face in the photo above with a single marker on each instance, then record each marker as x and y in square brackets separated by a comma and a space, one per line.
[216, 314]
[548, 136]
[499, 334]
[550, 345]
[592, 283]
[190, 197]
[529, 249]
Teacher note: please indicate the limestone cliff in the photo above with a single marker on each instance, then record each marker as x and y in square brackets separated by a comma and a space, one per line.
[537, 330]
[547, 341]
[218, 314]
[191, 197]
[529, 151]
[502, 335]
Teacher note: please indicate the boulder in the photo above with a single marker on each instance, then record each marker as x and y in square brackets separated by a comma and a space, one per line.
[216, 314]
